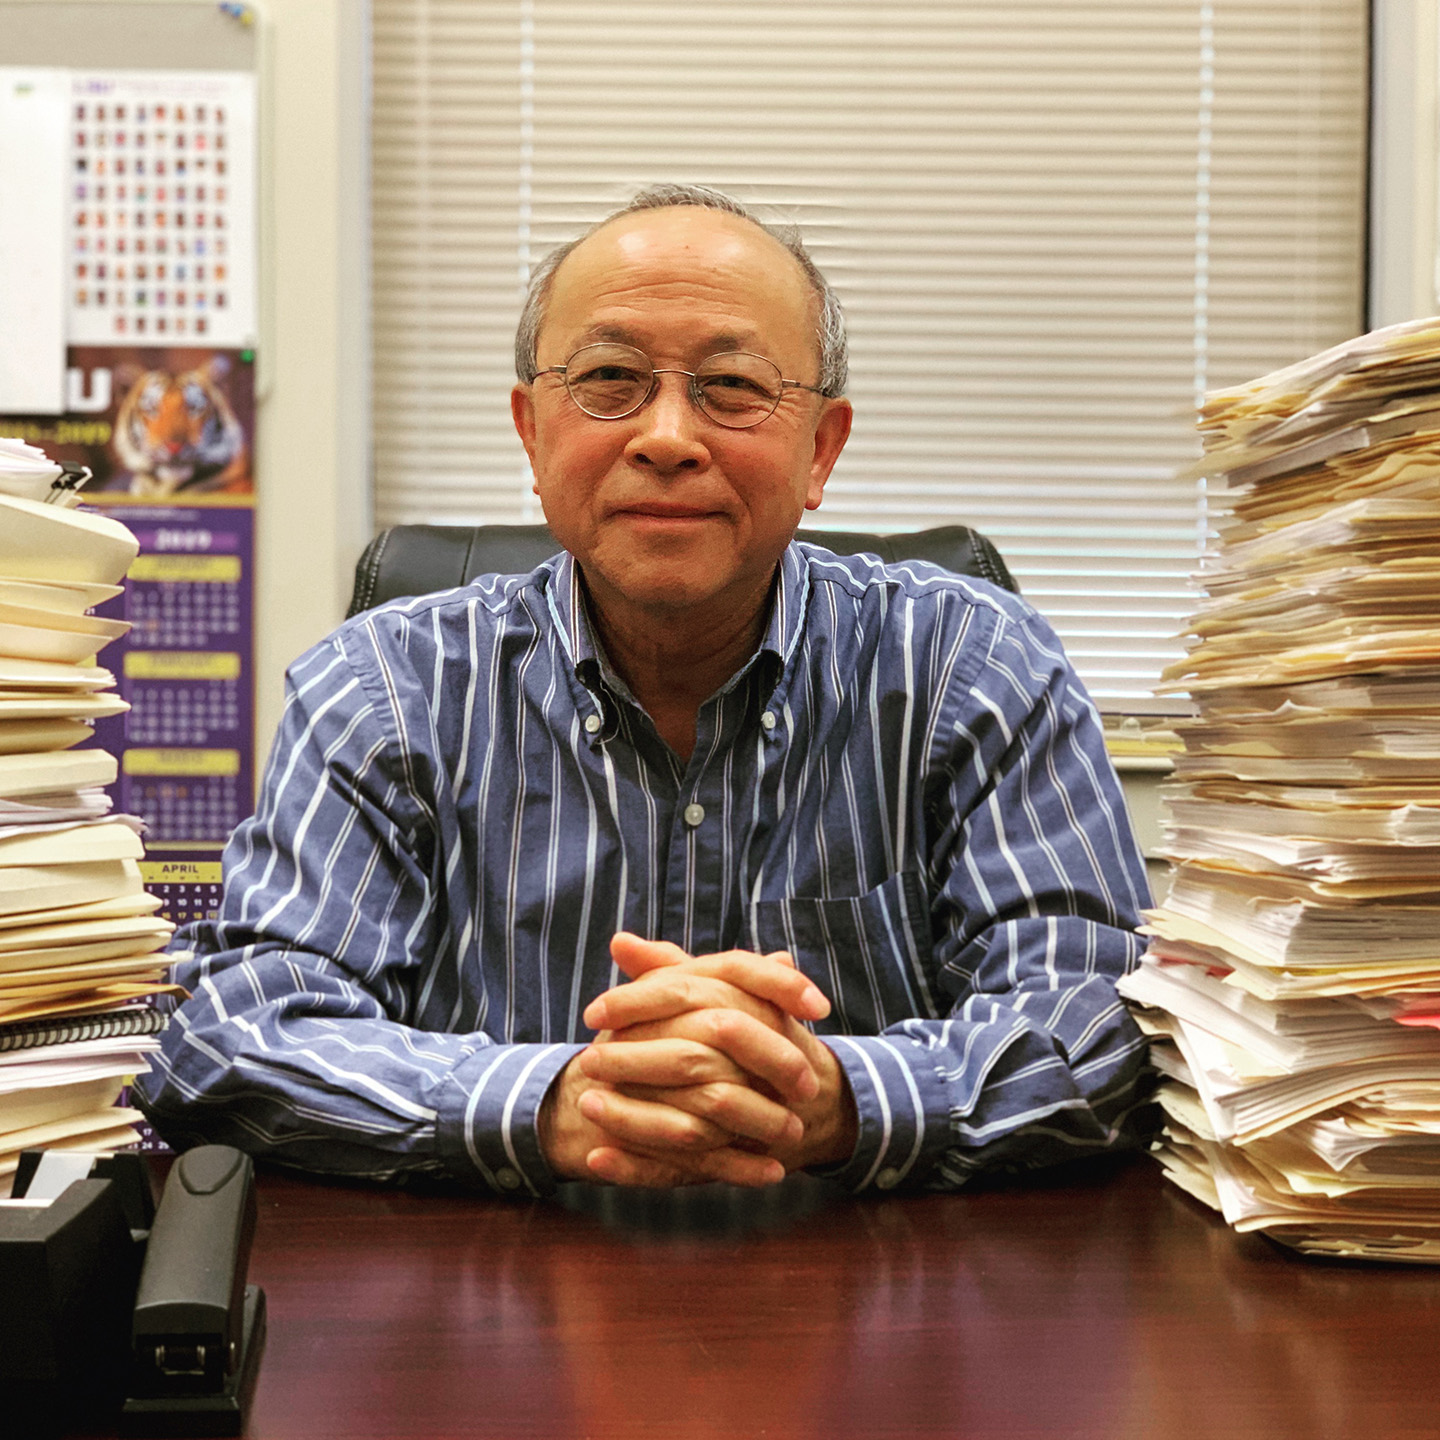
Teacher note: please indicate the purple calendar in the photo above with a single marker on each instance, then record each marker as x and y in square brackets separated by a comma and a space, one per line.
[186, 747]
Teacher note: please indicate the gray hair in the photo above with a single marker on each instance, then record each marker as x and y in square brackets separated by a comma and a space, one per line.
[830, 332]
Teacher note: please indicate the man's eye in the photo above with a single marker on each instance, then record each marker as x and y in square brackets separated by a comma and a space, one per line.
[731, 390]
[608, 375]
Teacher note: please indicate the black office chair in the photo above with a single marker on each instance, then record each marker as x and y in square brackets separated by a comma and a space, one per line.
[418, 559]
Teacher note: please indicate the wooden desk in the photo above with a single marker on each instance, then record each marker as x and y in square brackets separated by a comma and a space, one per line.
[1107, 1305]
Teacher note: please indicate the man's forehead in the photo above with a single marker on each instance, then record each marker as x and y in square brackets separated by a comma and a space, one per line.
[737, 287]
[663, 243]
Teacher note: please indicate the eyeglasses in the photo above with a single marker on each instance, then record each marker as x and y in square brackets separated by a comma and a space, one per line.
[735, 389]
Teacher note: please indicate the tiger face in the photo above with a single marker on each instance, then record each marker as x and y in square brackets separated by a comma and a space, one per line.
[178, 432]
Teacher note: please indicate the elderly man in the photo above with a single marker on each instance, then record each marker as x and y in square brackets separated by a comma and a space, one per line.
[827, 855]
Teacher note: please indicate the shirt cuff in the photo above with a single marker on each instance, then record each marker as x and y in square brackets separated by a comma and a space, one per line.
[903, 1108]
[486, 1128]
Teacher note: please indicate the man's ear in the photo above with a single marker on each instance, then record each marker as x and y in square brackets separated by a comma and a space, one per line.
[832, 430]
[522, 412]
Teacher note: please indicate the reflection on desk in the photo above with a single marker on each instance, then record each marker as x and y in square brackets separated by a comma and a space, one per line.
[1098, 1303]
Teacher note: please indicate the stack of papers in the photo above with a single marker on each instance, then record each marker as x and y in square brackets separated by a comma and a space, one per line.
[1292, 983]
[80, 941]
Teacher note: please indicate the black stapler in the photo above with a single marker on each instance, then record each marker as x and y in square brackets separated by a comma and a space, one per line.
[117, 1305]
[198, 1327]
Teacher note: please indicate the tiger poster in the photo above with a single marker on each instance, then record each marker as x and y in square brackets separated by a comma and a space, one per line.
[155, 424]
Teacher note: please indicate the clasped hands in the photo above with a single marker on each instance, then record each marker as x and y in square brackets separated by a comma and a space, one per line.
[702, 1070]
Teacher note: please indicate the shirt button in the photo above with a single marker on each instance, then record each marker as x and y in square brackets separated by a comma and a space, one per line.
[887, 1179]
[507, 1178]
[767, 720]
[694, 814]
[592, 724]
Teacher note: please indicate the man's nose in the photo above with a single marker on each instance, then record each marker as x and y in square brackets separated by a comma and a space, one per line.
[669, 429]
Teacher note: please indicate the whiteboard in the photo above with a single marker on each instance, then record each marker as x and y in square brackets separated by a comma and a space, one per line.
[33, 219]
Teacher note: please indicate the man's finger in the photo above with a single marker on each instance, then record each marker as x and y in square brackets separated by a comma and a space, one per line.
[760, 1051]
[736, 1109]
[647, 1125]
[635, 956]
[696, 1078]
[733, 1167]
[672, 1062]
[771, 978]
[664, 993]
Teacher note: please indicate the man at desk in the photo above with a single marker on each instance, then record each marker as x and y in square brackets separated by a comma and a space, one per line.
[686, 728]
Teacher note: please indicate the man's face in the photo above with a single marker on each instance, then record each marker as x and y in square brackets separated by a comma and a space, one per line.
[666, 510]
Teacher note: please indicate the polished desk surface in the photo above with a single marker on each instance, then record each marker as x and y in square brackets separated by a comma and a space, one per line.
[1102, 1303]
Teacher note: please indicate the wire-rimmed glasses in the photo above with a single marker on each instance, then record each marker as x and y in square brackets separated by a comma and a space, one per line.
[735, 389]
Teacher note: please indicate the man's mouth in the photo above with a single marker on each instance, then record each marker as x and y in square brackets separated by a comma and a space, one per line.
[666, 510]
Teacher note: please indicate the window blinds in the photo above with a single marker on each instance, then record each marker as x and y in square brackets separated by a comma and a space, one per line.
[1051, 224]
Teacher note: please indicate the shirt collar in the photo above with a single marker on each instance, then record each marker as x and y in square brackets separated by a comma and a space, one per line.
[567, 608]
[783, 630]
[787, 616]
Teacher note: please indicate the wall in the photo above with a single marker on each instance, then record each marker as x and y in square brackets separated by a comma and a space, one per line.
[1404, 157]
[313, 455]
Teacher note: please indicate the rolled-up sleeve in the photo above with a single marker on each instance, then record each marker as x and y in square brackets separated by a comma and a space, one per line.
[297, 1043]
[1035, 884]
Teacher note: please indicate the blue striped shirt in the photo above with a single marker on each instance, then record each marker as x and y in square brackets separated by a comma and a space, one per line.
[906, 788]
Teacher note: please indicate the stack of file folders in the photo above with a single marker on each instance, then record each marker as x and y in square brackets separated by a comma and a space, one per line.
[1292, 982]
[80, 940]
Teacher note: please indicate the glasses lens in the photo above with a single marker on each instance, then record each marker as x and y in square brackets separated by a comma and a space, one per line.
[737, 389]
[608, 380]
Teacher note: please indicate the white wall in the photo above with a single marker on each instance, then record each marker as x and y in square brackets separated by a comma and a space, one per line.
[313, 450]
[1404, 156]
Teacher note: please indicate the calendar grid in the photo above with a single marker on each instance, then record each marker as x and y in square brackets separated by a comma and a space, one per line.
[186, 745]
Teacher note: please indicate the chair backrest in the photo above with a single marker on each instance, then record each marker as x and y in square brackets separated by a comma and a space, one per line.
[418, 559]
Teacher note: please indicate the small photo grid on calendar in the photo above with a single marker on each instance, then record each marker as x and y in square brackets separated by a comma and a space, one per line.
[162, 209]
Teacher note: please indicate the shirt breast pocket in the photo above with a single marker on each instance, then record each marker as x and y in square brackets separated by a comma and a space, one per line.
[871, 954]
